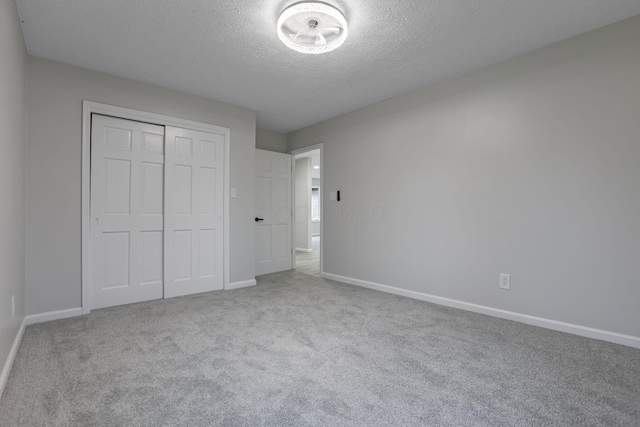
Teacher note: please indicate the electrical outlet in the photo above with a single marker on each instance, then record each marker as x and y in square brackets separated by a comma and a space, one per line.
[13, 306]
[505, 281]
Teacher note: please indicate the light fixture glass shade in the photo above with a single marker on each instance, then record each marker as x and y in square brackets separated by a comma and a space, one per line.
[312, 27]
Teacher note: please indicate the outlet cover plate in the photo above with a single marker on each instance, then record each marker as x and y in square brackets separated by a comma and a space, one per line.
[505, 281]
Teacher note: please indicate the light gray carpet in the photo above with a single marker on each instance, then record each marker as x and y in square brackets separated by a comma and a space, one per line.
[298, 350]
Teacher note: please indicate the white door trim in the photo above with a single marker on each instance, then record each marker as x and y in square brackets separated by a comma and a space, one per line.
[293, 202]
[90, 107]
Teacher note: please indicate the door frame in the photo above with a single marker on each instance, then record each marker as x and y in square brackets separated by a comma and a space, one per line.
[318, 146]
[89, 108]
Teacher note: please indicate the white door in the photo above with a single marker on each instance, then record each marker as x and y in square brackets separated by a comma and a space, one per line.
[273, 212]
[194, 178]
[126, 211]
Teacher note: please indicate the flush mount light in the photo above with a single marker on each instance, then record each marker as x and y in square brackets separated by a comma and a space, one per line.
[312, 27]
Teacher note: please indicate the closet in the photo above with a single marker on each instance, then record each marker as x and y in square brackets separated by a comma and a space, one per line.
[157, 195]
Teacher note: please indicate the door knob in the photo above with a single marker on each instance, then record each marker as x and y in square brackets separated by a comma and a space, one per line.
[259, 219]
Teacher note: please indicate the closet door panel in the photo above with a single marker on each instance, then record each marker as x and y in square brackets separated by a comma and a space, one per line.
[127, 179]
[194, 220]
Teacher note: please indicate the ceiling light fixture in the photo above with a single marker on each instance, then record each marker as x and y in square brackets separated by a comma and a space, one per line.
[312, 27]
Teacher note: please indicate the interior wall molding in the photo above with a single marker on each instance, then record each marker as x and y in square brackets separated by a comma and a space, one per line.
[53, 315]
[8, 364]
[579, 330]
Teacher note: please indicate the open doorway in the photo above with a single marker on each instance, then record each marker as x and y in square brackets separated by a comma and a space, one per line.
[307, 192]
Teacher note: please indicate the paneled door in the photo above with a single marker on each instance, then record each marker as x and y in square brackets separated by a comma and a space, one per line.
[273, 212]
[127, 188]
[194, 211]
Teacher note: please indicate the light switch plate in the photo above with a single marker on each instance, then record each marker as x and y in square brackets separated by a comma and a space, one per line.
[233, 192]
[333, 195]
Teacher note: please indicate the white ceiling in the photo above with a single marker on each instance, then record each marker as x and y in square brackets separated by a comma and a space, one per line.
[228, 50]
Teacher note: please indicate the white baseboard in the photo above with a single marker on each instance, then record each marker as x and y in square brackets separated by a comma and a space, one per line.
[240, 285]
[308, 251]
[583, 331]
[12, 356]
[53, 315]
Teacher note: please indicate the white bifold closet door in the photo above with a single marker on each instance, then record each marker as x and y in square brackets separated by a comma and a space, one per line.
[127, 188]
[156, 211]
[193, 221]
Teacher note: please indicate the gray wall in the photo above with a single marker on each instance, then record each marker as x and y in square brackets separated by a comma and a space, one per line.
[315, 228]
[302, 172]
[55, 96]
[530, 167]
[12, 170]
[271, 141]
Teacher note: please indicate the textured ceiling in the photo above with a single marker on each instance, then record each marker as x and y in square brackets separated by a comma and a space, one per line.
[228, 50]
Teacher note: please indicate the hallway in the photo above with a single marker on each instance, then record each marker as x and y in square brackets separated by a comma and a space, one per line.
[309, 263]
